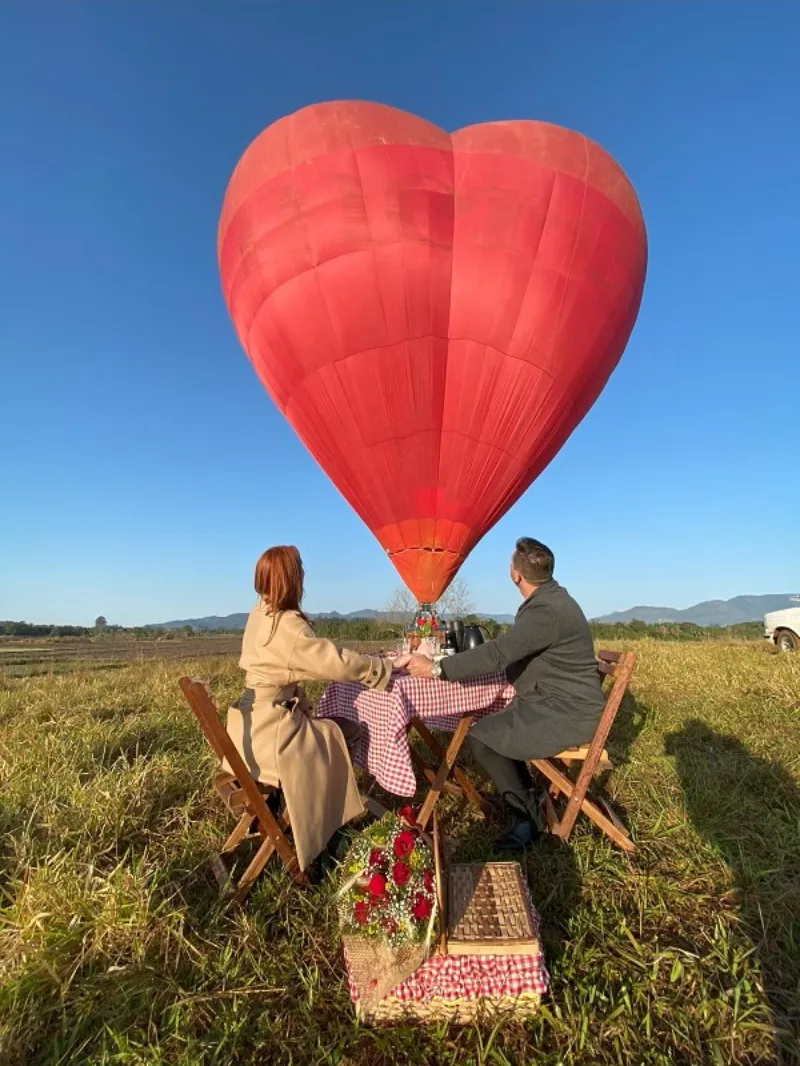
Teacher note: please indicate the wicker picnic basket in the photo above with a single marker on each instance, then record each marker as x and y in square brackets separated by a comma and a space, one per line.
[485, 910]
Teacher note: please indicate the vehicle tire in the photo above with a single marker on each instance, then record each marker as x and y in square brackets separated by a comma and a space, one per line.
[786, 640]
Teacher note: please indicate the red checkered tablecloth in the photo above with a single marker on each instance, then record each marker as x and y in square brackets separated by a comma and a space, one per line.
[386, 716]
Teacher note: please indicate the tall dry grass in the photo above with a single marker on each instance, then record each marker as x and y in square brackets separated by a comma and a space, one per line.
[114, 950]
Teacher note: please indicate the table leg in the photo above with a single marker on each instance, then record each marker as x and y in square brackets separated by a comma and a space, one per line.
[445, 769]
[451, 789]
[462, 779]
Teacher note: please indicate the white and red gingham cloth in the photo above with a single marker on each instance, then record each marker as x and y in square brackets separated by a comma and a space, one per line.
[386, 716]
[471, 977]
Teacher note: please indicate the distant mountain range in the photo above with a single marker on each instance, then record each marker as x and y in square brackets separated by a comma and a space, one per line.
[238, 621]
[710, 612]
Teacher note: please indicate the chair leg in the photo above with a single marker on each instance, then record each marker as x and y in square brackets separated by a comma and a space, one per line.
[611, 814]
[550, 813]
[257, 864]
[222, 874]
[237, 836]
[590, 809]
[575, 801]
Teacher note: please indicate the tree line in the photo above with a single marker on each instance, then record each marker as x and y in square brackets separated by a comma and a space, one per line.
[387, 628]
[676, 631]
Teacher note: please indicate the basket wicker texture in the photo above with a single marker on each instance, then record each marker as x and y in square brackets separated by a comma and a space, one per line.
[457, 1011]
[489, 910]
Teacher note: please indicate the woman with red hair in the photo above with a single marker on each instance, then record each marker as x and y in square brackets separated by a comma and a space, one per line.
[271, 723]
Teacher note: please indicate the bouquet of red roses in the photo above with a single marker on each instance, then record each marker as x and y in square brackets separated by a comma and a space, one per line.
[387, 883]
[426, 624]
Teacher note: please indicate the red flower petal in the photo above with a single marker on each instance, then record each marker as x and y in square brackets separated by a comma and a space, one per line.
[421, 908]
[377, 885]
[408, 816]
[401, 872]
[403, 844]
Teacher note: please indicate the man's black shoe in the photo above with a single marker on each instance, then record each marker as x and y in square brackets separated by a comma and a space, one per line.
[520, 836]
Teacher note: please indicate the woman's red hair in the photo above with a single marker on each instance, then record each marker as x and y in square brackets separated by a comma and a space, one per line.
[279, 579]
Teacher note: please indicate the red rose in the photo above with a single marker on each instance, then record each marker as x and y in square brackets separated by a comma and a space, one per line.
[377, 885]
[427, 880]
[403, 844]
[389, 926]
[377, 858]
[421, 908]
[361, 912]
[401, 872]
[407, 814]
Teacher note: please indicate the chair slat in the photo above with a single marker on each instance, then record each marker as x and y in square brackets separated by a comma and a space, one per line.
[610, 656]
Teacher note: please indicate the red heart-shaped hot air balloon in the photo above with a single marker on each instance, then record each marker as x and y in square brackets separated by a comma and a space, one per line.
[433, 313]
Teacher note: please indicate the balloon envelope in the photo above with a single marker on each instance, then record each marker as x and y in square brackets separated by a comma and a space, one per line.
[433, 313]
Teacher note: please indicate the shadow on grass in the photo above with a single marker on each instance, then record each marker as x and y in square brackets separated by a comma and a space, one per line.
[632, 717]
[137, 741]
[748, 809]
[553, 872]
[12, 822]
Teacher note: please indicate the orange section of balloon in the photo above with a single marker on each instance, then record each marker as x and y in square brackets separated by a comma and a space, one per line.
[433, 313]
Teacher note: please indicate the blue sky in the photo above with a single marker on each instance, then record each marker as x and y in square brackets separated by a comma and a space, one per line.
[138, 470]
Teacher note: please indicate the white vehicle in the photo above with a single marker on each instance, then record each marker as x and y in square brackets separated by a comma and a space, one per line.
[782, 628]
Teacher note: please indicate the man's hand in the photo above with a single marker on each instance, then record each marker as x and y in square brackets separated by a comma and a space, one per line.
[399, 663]
[420, 666]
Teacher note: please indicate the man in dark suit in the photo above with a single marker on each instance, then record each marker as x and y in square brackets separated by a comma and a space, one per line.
[549, 658]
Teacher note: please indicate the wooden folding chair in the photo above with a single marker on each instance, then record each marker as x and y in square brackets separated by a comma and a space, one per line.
[245, 798]
[594, 757]
[440, 779]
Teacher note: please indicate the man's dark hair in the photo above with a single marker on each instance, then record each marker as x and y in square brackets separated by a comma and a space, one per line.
[533, 560]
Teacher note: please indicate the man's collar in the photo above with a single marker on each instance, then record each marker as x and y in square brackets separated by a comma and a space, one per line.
[539, 588]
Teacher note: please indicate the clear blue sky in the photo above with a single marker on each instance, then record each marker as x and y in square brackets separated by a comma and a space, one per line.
[139, 471]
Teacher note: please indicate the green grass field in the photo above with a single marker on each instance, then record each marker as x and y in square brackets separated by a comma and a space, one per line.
[114, 950]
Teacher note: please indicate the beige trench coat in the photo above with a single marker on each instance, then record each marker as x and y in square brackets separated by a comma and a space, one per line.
[305, 756]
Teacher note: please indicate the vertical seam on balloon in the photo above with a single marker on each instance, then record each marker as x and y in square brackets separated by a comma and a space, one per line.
[575, 242]
[315, 268]
[445, 374]
[536, 254]
[357, 163]
[309, 247]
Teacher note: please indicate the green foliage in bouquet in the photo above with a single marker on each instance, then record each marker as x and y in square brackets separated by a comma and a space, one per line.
[387, 885]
